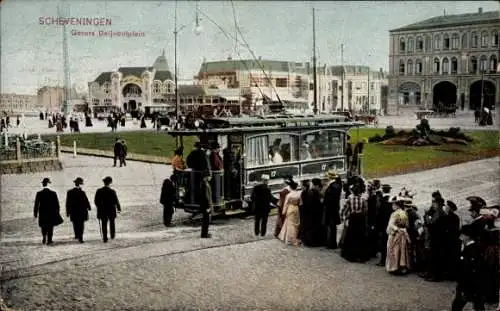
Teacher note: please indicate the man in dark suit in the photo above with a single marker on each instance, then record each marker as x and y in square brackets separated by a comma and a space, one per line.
[117, 151]
[331, 205]
[47, 210]
[197, 160]
[261, 205]
[107, 205]
[77, 207]
[205, 202]
[167, 199]
[383, 215]
[469, 277]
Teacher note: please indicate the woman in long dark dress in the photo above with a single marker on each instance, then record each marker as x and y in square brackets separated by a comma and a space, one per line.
[452, 244]
[354, 241]
[492, 261]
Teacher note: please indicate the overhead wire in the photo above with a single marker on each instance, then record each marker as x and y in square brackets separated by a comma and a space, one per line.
[230, 37]
[254, 56]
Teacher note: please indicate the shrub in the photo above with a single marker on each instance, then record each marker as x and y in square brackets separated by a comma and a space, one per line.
[389, 132]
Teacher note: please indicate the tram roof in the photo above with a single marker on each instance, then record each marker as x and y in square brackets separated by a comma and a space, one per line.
[270, 123]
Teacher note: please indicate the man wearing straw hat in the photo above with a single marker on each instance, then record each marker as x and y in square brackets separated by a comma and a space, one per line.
[331, 205]
[77, 207]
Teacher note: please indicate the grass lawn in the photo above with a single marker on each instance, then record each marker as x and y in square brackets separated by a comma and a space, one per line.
[379, 160]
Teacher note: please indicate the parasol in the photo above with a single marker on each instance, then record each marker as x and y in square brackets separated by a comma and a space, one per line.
[478, 201]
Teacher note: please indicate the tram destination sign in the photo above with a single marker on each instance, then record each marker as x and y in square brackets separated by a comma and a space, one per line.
[323, 166]
[273, 172]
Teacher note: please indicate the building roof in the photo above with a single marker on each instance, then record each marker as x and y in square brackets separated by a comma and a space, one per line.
[453, 20]
[163, 75]
[357, 70]
[103, 77]
[134, 71]
[191, 90]
[245, 65]
[161, 63]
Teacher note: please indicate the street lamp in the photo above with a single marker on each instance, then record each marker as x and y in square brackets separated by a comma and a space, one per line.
[197, 30]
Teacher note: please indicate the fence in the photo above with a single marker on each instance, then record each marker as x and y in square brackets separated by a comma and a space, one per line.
[21, 150]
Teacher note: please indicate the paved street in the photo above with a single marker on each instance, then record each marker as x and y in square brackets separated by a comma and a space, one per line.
[463, 120]
[150, 267]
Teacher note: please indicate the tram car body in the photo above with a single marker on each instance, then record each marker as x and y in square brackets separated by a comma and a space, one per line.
[307, 148]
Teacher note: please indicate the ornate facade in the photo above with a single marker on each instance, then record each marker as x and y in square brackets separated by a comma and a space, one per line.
[445, 61]
[133, 88]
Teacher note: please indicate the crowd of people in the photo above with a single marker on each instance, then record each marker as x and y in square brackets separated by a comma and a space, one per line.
[376, 221]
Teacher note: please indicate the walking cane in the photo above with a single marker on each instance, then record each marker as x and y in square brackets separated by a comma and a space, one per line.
[100, 228]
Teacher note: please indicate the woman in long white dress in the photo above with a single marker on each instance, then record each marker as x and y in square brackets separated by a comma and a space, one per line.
[290, 231]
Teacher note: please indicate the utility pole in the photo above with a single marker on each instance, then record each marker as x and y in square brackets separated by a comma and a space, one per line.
[342, 77]
[482, 87]
[67, 107]
[368, 90]
[315, 82]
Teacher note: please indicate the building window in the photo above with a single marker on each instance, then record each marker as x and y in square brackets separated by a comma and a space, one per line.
[464, 41]
[107, 101]
[455, 41]
[95, 101]
[169, 88]
[420, 44]
[437, 42]
[107, 88]
[474, 40]
[409, 68]
[494, 38]
[418, 66]
[427, 43]
[484, 39]
[473, 64]
[436, 65]
[454, 65]
[410, 45]
[446, 66]
[372, 86]
[402, 45]
[156, 88]
[446, 42]
[401, 67]
[493, 63]
[281, 82]
[484, 63]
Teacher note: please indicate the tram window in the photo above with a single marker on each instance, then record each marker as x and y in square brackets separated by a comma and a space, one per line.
[322, 144]
[272, 149]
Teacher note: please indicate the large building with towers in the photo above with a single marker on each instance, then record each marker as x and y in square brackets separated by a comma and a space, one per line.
[444, 61]
[132, 88]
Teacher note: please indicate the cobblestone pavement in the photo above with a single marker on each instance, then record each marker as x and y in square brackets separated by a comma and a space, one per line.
[150, 267]
[464, 120]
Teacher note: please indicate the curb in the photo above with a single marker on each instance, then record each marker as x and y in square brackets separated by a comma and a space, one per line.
[109, 154]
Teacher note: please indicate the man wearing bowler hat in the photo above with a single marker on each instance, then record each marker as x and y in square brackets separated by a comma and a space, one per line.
[77, 207]
[107, 205]
[46, 209]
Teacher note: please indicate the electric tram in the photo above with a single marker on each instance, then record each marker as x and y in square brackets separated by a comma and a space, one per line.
[280, 146]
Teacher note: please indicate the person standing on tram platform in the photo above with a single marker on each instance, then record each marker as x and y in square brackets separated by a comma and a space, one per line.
[197, 160]
[215, 158]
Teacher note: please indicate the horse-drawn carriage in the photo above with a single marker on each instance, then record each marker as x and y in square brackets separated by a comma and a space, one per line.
[280, 146]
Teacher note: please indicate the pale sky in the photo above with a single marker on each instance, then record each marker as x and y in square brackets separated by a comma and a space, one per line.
[31, 54]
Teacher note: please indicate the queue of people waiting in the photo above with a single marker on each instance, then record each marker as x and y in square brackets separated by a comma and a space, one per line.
[377, 221]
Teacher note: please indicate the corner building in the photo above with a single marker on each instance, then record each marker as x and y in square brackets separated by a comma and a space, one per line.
[444, 61]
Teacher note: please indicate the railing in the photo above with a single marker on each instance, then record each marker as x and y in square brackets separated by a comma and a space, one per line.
[20, 150]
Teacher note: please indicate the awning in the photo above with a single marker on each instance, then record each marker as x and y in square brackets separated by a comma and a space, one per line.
[232, 98]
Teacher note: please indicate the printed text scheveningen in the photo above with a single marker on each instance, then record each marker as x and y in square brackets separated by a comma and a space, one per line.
[91, 21]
